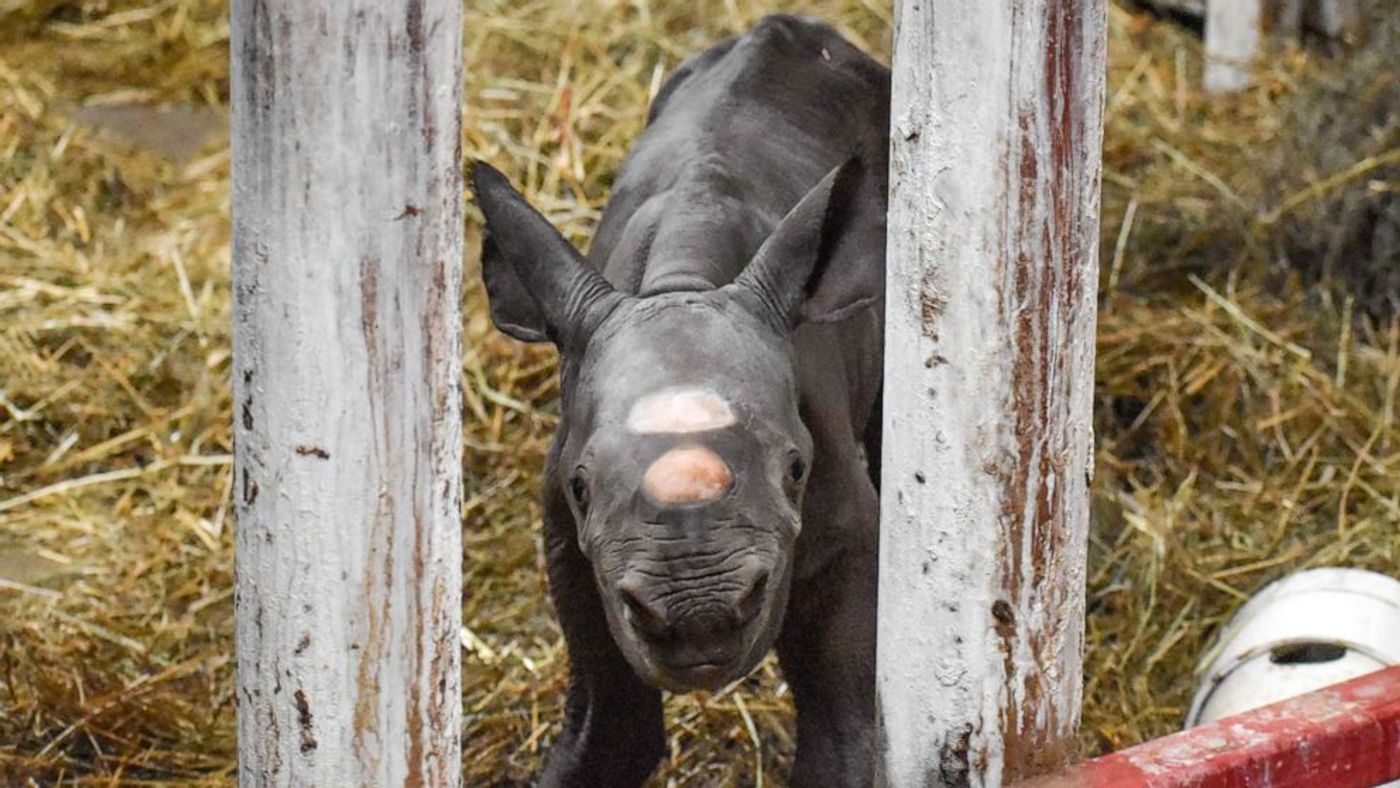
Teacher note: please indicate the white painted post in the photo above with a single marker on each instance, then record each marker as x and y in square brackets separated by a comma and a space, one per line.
[347, 246]
[1335, 18]
[1234, 29]
[1235, 32]
[989, 373]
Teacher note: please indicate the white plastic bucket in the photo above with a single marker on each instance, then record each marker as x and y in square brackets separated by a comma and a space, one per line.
[1302, 633]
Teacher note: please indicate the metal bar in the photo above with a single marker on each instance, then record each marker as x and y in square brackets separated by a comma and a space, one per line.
[1344, 736]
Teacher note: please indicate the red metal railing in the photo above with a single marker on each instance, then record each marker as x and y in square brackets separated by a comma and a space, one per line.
[1344, 736]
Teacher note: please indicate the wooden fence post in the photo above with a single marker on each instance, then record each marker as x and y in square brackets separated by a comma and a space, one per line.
[989, 371]
[1234, 31]
[1338, 19]
[347, 246]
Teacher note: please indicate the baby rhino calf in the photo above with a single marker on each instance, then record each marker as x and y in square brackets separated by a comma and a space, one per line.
[707, 495]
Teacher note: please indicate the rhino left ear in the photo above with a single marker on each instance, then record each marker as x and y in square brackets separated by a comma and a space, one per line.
[825, 259]
[539, 286]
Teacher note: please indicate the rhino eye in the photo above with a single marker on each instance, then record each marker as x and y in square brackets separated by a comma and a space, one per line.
[578, 489]
[797, 469]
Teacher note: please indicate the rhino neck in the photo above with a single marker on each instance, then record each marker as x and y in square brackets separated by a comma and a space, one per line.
[701, 244]
[696, 235]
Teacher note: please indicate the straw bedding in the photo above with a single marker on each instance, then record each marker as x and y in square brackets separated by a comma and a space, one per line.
[1249, 360]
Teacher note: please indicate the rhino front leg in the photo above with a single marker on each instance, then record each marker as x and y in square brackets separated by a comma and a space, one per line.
[613, 733]
[827, 652]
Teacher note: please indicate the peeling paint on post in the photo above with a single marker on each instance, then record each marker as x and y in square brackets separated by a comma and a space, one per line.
[347, 248]
[993, 264]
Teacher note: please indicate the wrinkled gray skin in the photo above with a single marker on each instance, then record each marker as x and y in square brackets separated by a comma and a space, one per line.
[743, 253]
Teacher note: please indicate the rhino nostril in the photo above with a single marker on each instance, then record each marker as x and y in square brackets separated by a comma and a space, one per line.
[645, 616]
[752, 600]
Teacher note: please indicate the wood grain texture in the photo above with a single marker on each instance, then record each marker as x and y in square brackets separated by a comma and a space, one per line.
[993, 239]
[347, 247]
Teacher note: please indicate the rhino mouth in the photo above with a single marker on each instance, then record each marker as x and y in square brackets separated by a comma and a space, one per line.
[707, 675]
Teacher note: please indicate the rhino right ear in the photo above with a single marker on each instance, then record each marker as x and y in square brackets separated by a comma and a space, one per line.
[539, 286]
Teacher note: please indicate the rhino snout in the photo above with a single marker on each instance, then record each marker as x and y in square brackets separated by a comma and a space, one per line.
[698, 632]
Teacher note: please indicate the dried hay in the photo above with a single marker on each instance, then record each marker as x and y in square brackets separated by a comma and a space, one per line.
[1246, 412]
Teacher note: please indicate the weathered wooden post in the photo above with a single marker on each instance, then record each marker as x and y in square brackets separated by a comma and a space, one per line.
[989, 372]
[1335, 18]
[1234, 31]
[347, 241]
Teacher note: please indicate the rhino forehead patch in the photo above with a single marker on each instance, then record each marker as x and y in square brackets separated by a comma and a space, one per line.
[686, 474]
[679, 411]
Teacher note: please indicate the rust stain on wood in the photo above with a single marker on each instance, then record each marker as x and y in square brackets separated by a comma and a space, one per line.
[932, 303]
[365, 723]
[369, 306]
[304, 722]
[1042, 308]
[444, 651]
[368, 688]
[414, 777]
[954, 759]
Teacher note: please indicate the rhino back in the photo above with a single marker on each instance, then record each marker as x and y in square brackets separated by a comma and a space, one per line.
[734, 139]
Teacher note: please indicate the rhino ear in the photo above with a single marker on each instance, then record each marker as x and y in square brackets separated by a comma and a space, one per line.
[825, 258]
[539, 286]
[513, 309]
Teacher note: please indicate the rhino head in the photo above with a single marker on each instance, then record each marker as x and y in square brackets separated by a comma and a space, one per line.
[681, 447]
